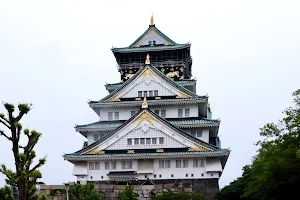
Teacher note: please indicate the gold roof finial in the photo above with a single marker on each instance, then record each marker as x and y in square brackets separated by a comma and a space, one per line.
[152, 20]
[147, 61]
[145, 103]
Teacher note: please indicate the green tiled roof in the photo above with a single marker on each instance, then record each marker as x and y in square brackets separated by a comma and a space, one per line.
[181, 123]
[150, 102]
[220, 152]
[155, 29]
[186, 82]
[159, 73]
[178, 130]
[151, 48]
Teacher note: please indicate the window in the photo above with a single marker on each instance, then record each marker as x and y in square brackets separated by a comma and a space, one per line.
[154, 175]
[113, 165]
[192, 175]
[154, 42]
[150, 93]
[179, 112]
[164, 164]
[96, 137]
[186, 175]
[94, 166]
[110, 115]
[153, 140]
[107, 165]
[163, 113]
[129, 141]
[116, 115]
[142, 140]
[145, 93]
[91, 166]
[132, 113]
[160, 176]
[198, 163]
[126, 164]
[187, 112]
[156, 112]
[97, 166]
[101, 135]
[148, 140]
[136, 141]
[172, 175]
[193, 133]
[110, 165]
[156, 93]
[150, 42]
[161, 140]
[199, 133]
[140, 93]
[178, 163]
[185, 163]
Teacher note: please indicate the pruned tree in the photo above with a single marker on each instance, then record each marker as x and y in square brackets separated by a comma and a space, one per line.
[25, 175]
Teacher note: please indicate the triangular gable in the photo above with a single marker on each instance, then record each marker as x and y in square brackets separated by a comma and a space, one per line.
[146, 76]
[152, 34]
[139, 126]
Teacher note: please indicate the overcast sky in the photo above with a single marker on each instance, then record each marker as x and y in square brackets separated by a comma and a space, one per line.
[56, 55]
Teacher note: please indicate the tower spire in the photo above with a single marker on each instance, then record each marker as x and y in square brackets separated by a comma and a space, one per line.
[152, 20]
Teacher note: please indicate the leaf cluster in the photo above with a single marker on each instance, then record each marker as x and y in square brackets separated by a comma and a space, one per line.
[84, 192]
[128, 194]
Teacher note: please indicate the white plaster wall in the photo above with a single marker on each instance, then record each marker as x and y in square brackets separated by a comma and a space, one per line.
[124, 113]
[171, 111]
[90, 136]
[80, 168]
[205, 133]
[143, 85]
[169, 142]
[147, 38]
[213, 165]
[178, 173]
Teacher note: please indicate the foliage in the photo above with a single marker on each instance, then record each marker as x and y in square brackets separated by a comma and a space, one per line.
[6, 193]
[274, 173]
[25, 177]
[84, 192]
[128, 194]
[169, 195]
[43, 197]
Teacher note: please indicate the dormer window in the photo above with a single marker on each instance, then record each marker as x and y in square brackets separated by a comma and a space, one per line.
[154, 42]
[150, 42]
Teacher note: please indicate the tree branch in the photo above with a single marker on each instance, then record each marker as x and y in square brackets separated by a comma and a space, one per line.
[3, 122]
[2, 133]
[20, 116]
[3, 117]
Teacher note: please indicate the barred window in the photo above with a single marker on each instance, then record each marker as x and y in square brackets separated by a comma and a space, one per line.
[193, 133]
[96, 137]
[145, 93]
[167, 163]
[97, 166]
[107, 166]
[179, 112]
[142, 140]
[156, 93]
[163, 113]
[185, 163]
[156, 112]
[126, 164]
[148, 140]
[199, 133]
[187, 112]
[198, 163]
[91, 166]
[153, 140]
[136, 141]
[113, 165]
[129, 141]
[116, 115]
[110, 115]
[161, 140]
[178, 163]
[150, 93]
[140, 93]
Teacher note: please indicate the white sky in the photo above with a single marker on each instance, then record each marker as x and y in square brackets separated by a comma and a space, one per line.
[56, 55]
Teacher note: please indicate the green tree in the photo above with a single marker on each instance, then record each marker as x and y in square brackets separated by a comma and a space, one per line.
[169, 195]
[275, 170]
[6, 193]
[84, 192]
[24, 176]
[128, 194]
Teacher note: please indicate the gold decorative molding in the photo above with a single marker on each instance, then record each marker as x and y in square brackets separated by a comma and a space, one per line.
[138, 99]
[152, 20]
[152, 32]
[128, 76]
[147, 61]
[114, 98]
[197, 148]
[160, 150]
[144, 117]
[157, 97]
[172, 74]
[130, 151]
[181, 95]
[145, 104]
[147, 72]
[95, 151]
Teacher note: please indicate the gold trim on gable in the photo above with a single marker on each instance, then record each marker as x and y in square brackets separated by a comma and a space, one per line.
[181, 95]
[114, 98]
[148, 72]
[144, 117]
[197, 148]
[130, 151]
[160, 150]
[95, 151]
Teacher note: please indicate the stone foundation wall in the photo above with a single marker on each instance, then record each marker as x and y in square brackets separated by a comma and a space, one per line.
[207, 187]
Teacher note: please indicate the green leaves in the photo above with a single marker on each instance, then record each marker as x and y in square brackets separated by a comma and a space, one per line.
[128, 194]
[9, 107]
[6, 193]
[275, 171]
[84, 192]
[24, 107]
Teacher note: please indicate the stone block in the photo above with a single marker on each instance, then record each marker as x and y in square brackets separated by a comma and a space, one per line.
[159, 187]
[147, 187]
